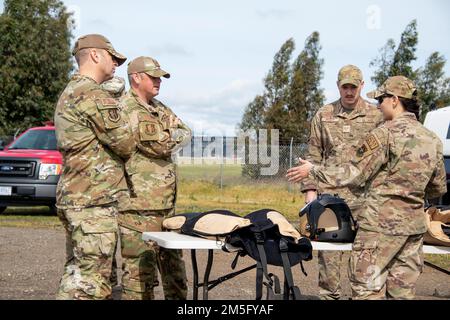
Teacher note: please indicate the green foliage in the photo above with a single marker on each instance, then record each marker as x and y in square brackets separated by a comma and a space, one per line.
[434, 86]
[35, 61]
[291, 97]
[254, 115]
[305, 95]
[398, 61]
[276, 82]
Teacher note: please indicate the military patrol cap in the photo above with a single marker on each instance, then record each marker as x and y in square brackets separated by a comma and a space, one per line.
[350, 74]
[148, 65]
[100, 42]
[399, 86]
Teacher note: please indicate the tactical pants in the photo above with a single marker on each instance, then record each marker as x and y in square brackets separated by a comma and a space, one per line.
[385, 266]
[142, 259]
[330, 274]
[90, 241]
[69, 247]
[330, 267]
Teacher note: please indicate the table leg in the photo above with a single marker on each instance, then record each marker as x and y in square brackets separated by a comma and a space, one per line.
[207, 273]
[195, 271]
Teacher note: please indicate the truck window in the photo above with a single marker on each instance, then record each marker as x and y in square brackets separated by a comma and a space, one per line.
[37, 140]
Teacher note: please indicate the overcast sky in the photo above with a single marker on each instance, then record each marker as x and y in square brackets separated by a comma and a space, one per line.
[218, 52]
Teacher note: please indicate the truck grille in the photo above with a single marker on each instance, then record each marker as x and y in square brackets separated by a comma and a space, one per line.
[17, 168]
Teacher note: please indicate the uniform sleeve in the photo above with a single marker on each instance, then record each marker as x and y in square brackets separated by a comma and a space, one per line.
[160, 138]
[180, 133]
[369, 157]
[438, 182]
[315, 152]
[110, 125]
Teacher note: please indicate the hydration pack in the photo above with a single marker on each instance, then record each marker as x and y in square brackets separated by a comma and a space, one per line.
[264, 235]
[328, 218]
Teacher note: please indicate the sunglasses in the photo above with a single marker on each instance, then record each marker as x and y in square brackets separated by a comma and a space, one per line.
[380, 99]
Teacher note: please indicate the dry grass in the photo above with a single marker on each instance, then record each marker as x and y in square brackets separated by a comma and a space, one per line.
[29, 217]
[441, 260]
[241, 199]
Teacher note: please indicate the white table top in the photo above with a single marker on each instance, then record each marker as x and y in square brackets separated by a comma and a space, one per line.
[173, 240]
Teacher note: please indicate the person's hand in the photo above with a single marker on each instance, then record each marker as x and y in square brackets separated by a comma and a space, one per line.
[310, 196]
[296, 174]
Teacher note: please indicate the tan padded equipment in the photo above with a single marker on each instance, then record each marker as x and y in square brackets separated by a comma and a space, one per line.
[436, 219]
[285, 228]
[174, 223]
[220, 224]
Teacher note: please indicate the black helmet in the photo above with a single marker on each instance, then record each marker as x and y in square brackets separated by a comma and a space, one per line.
[328, 218]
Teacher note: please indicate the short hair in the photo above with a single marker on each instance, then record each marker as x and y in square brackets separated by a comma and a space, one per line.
[130, 77]
[81, 56]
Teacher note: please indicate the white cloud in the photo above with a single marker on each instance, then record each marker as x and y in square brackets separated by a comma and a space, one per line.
[217, 112]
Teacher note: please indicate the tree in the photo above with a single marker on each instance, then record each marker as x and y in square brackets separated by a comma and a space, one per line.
[433, 86]
[290, 98]
[254, 115]
[305, 95]
[397, 61]
[35, 61]
[266, 109]
[276, 84]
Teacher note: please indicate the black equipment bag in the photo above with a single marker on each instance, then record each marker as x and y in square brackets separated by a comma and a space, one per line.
[264, 235]
[264, 242]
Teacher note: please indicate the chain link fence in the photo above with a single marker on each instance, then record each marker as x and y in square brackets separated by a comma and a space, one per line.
[224, 161]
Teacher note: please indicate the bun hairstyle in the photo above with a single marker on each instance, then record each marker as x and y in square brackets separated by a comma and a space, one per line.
[411, 105]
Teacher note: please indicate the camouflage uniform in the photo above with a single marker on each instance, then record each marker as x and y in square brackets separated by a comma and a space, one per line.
[401, 163]
[334, 133]
[92, 136]
[151, 177]
[116, 88]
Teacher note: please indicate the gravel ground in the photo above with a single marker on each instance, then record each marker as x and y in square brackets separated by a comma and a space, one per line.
[31, 264]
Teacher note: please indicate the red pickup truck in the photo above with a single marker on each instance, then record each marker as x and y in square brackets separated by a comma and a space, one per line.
[30, 167]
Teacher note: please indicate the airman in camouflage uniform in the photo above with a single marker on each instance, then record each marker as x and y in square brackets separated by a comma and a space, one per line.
[401, 163]
[151, 177]
[336, 129]
[93, 137]
[116, 88]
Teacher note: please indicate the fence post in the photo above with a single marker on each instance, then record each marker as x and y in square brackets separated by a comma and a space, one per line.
[290, 161]
[221, 175]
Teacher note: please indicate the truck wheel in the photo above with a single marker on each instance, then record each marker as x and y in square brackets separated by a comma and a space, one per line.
[2, 209]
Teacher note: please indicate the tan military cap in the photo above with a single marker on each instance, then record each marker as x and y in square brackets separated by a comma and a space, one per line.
[100, 42]
[350, 74]
[148, 65]
[399, 86]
